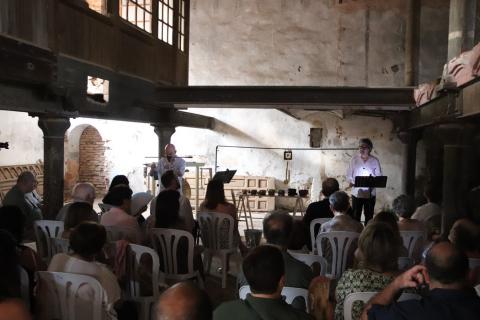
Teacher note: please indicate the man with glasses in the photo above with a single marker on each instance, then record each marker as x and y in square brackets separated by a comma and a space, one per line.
[363, 164]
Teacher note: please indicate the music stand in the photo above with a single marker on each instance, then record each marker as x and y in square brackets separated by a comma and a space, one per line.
[224, 176]
[370, 182]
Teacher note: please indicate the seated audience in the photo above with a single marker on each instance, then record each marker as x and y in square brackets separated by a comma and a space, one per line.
[119, 180]
[404, 207]
[77, 212]
[167, 217]
[119, 215]
[377, 254]
[339, 204]
[13, 309]
[449, 296]
[9, 266]
[26, 183]
[86, 242]
[215, 202]
[465, 235]
[320, 209]
[184, 301]
[431, 208]
[139, 205]
[167, 211]
[277, 228]
[82, 192]
[265, 272]
[170, 182]
[13, 221]
[140, 201]
[390, 218]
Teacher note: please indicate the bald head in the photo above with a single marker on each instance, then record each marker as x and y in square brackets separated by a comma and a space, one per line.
[184, 301]
[84, 192]
[13, 309]
[465, 235]
[26, 182]
[446, 264]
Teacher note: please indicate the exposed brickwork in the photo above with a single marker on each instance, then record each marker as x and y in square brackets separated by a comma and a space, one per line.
[92, 159]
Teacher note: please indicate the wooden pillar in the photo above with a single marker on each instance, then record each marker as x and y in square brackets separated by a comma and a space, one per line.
[455, 172]
[412, 42]
[461, 27]
[54, 129]
[409, 140]
[164, 133]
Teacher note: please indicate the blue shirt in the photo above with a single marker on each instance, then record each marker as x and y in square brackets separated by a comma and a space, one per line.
[440, 304]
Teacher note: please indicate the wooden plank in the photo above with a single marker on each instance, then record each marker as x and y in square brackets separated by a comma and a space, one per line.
[26, 63]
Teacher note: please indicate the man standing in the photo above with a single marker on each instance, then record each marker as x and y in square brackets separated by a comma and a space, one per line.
[16, 196]
[170, 162]
[363, 164]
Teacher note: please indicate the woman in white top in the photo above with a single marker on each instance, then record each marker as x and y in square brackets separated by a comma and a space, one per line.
[86, 242]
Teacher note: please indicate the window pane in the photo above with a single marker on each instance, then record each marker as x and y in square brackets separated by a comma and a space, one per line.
[170, 17]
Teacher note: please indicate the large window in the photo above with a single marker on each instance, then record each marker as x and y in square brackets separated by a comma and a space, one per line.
[138, 12]
[181, 26]
[165, 21]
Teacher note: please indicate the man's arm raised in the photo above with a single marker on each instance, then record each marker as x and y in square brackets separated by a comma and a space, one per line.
[409, 279]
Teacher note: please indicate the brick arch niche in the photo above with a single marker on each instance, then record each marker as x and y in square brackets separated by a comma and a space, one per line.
[91, 166]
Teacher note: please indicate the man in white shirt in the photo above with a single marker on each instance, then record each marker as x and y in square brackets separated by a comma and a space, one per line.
[170, 162]
[363, 164]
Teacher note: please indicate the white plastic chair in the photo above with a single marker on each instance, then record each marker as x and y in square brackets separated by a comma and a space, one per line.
[165, 242]
[405, 263]
[62, 294]
[288, 293]
[44, 230]
[411, 241]
[104, 207]
[473, 263]
[115, 233]
[133, 264]
[341, 244]
[365, 297]
[216, 231]
[24, 286]
[316, 222]
[310, 260]
[59, 245]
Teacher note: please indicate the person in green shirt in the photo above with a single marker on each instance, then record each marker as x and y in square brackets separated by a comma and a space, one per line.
[265, 272]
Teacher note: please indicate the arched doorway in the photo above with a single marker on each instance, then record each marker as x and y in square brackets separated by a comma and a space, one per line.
[92, 159]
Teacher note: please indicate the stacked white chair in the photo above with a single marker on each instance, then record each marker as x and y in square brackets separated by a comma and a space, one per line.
[216, 231]
[316, 222]
[59, 245]
[288, 293]
[44, 231]
[411, 241]
[166, 243]
[310, 260]
[342, 244]
[133, 265]
[63, 296]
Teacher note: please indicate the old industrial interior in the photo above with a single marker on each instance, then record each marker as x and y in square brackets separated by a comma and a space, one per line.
[165, 153]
